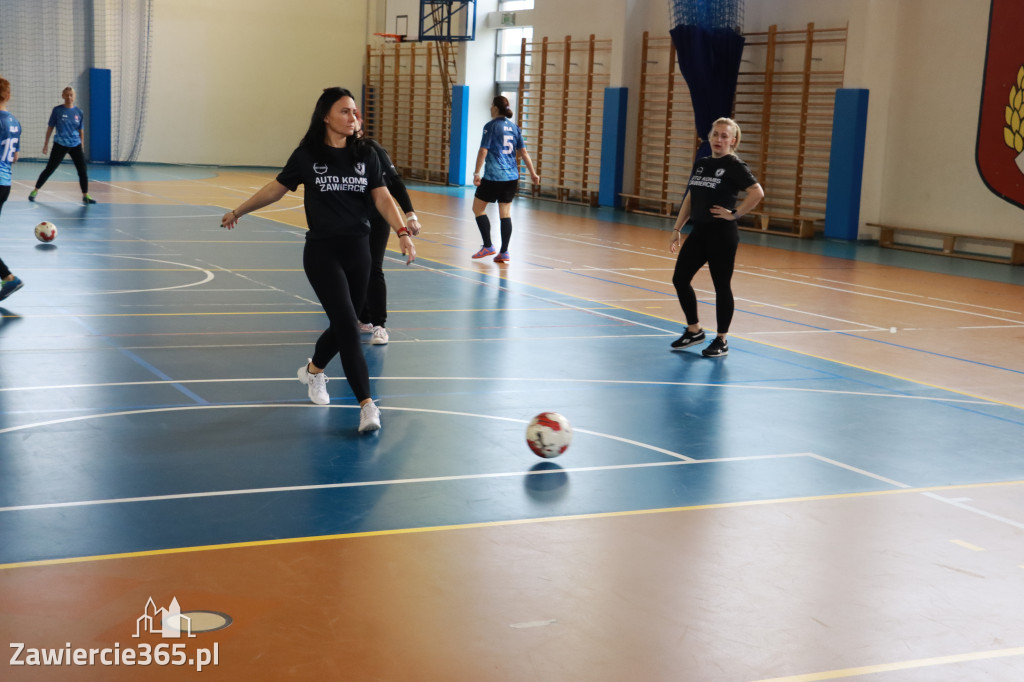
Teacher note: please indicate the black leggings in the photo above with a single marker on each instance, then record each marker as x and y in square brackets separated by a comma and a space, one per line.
[375, 310]
[715, 244]
[5, 191]
[338, 270]
[56, 156]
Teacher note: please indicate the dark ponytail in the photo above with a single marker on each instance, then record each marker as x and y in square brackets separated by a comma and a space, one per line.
[501, 104]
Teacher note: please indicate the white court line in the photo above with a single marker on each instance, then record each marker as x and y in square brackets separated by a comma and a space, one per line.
[974, 510]
[492, 380]
[680, 459]
[208, 278]
[955, 502]
[268, 286]
[400, 481]
[943, 308]
[798, 311]
[740, 270]
[191, 408]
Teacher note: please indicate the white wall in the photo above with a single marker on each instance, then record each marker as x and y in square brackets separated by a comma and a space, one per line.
[930, 172]
[922, 61]
[233, 82]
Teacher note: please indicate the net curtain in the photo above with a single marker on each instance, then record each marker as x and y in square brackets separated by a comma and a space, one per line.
[709, 47]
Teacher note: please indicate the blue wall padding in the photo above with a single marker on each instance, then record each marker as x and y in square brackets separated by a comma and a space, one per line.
[613, 146]
[460, 125]
[100, 116]
[846, 163]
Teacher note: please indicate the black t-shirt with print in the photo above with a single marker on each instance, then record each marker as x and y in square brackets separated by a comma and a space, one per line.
[338, 186]
[717, 182]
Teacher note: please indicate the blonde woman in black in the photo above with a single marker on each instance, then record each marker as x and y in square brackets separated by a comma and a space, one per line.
[711, 206]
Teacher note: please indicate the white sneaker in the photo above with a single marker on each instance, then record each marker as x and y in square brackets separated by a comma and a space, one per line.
[379, 337]
[317, 385]
[365, 327]
[369, 417]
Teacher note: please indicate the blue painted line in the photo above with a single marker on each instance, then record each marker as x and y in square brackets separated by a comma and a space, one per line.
[810, 326]
[139, 361]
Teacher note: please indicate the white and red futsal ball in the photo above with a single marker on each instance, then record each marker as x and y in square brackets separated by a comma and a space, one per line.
[46, 232]
[548, 434]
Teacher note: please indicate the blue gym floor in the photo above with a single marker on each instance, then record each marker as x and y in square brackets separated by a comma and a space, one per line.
[148, 401]
[149, 407]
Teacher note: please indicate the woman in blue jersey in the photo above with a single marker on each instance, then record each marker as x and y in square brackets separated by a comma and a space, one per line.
[711, 206]
[343, 180]
[10, 138]
[497, 176]
[67, 120]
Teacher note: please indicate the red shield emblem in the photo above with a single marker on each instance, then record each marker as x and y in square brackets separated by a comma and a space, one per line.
[1000, 148]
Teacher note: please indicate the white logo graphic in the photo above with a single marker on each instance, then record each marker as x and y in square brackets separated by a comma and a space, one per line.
[720, 172]
[699, 171]
[320, 168]
[361, 168]
[165, 622]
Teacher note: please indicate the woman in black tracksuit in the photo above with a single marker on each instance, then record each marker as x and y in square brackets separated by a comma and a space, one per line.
[710, 204]
[373, 317]
[343, 180]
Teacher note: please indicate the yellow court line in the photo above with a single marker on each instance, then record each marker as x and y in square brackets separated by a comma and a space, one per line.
[901, 665]
[497, 524]
[967, 545]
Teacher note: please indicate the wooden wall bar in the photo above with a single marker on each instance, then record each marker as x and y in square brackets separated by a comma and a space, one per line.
[784, 102]
[406, 85]
[561, 108]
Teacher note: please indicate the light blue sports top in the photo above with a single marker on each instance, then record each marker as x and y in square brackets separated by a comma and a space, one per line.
[502, 139]
[10, 142]
[67, 122]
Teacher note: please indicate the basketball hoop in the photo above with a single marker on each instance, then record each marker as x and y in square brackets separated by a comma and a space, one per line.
[390, 37]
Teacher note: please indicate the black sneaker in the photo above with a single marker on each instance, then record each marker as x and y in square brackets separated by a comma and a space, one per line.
[717, 348]
[688, 339]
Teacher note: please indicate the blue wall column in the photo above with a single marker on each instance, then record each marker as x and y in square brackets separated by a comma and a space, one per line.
[460, 125]
[613, 146]
[846, 163]
[100, 115]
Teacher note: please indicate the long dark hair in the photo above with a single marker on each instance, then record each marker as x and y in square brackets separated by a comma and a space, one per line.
[313, 140]
[501, 104]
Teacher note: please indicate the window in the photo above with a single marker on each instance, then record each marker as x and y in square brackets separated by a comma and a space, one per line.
[509, 52]
[510, 42]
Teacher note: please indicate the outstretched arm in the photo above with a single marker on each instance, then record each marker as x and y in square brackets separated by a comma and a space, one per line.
[265, 196]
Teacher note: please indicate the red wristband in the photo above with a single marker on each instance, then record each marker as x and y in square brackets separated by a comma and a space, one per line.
[403, 232]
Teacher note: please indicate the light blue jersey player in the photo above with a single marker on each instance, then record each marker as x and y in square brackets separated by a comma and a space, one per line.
[502, 139]
[67, 123]
[497, 176]
[10, 140]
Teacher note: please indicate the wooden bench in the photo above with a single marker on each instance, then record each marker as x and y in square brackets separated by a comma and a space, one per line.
[799, 226]
[564, 194]
[955, 245]
[635, 203]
